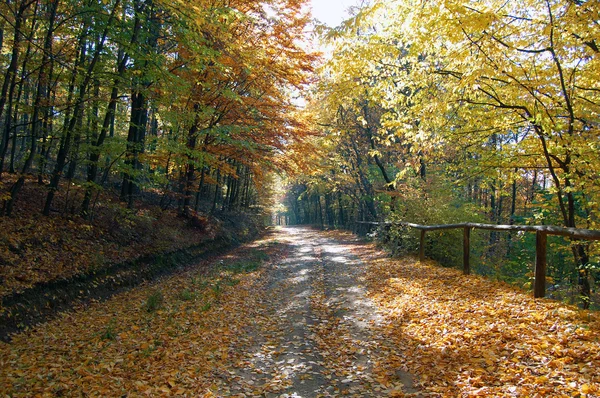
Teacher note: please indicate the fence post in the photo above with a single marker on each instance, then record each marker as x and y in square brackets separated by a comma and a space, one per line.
[422, 246]
[359, 228]
[539, 288]
[466, 250]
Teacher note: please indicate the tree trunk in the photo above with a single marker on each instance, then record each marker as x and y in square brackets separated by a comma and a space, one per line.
[139, 105]
[11, 71]
[65, 146]
[41, 96]
[11, 81]
[217, 188]
[191, 162]
[94, 156]
[320, 207]
[200, 188]
[135, 139]
[342, 217]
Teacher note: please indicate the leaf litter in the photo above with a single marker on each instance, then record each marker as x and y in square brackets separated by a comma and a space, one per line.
[470, 336]
[323, 316]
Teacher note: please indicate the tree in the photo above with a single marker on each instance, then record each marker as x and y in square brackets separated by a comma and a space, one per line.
[494, 73]
[161, 93]
[494, 96]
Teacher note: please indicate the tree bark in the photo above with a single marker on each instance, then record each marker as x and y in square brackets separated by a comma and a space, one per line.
[10, 80]
[139, 107]
[94, 156]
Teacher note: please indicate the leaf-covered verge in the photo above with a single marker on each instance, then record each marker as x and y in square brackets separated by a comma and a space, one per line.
[175, 337]
[65, 257]
[469, 336]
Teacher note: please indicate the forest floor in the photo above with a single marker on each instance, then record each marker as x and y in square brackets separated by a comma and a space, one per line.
[305, 313]
[48, 264]
[35, 249]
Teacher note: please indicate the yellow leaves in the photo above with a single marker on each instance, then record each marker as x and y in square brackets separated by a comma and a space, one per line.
[475, 67]
[224, 355]
[397, 392]
[469, 336]
[542, 379]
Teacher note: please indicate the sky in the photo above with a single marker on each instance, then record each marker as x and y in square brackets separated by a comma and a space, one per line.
[331, 12]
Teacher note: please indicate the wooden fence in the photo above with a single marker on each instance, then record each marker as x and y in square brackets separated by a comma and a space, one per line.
[541, 231]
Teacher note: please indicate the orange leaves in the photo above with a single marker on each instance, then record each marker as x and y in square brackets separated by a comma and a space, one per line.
[245, 88]
[465, 335]
[118, 347]
[460, 335]
[36, 250]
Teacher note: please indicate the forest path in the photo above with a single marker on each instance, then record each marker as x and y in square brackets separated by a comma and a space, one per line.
[307, 313]
[317, 339]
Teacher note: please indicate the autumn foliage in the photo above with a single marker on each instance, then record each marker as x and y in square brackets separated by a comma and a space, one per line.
[191, 334]
[170, 339]
[465, 335]
[461, 111]
[119, 116]
[188, 100]
[130, 127]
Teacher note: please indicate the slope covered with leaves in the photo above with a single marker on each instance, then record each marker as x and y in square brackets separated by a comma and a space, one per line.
[38, 249]
[47, 249]
[172, 338]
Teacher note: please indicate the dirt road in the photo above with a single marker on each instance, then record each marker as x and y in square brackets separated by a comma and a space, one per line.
[306, 313]
[284, 316]
[317, 339]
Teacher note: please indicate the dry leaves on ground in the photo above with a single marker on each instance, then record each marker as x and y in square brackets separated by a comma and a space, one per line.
[189, 335]
[469, 336]
[176, 337]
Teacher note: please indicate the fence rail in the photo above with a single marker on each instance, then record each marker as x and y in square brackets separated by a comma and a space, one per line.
[541, 231]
